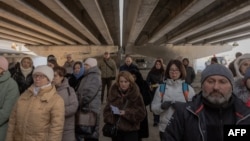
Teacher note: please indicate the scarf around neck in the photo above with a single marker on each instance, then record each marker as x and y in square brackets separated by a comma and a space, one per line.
[78, 75]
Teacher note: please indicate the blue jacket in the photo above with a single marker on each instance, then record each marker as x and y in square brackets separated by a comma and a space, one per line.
[192, 121]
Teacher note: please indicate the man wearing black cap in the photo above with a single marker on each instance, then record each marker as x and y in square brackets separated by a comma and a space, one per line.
[204, 118]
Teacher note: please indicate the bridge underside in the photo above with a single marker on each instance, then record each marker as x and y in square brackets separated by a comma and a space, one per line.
[150, 27]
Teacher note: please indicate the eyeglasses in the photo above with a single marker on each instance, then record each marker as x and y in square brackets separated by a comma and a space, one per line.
[174, 71]
[40, 76]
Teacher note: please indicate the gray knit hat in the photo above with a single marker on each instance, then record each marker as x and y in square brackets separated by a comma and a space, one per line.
[217, 69]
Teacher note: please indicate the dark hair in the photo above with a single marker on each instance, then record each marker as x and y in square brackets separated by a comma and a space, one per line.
[238, 54]
[60, 70]
[153, 69]
[214, 59]
[137, 74]
[54, 62]
[77, 62]
[51, 57]
[179, 65]
[185, 59]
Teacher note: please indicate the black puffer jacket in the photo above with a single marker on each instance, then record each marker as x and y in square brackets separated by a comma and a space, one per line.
[194, 121]
[22, 82]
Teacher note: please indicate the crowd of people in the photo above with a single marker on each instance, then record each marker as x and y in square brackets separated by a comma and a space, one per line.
[40, 103]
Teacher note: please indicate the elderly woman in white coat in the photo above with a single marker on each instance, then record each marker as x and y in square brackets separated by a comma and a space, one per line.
[89, 95]
[70, 102]
[163, 103]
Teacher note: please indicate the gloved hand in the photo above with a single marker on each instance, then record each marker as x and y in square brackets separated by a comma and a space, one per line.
[166, 104]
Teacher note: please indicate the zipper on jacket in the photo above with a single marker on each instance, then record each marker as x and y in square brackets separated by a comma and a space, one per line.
[199, 123]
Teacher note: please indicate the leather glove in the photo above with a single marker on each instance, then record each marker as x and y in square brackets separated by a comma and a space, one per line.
[166, 104]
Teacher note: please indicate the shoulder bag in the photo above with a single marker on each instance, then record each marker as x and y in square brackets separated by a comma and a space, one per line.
[110, 130]
[86, 120]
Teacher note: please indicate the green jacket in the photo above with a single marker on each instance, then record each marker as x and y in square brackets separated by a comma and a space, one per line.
[9, 93]
[106, 71]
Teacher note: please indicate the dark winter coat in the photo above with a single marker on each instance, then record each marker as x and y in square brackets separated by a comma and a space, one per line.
[134, 111]
[74, 82]
[22, 82]
[147, 98]
[194, 121]
[154, 78]
[190, 75]
[125, 67]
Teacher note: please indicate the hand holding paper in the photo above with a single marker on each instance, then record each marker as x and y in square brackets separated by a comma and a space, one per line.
[115, 110]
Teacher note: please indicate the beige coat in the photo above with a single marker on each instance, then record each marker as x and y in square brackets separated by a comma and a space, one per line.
[37, 118]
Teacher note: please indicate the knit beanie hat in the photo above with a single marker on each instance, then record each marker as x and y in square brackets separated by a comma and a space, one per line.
[91, 62]
[4, 64]
[247, 74]
[217, 69]
[46, 70]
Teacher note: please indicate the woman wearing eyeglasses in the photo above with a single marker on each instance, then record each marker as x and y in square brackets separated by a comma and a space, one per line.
[39, 112]
[163, 102]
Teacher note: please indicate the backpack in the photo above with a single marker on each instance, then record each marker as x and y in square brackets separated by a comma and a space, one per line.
[185, 90]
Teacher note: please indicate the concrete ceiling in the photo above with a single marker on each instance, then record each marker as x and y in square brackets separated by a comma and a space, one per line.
[95, 23]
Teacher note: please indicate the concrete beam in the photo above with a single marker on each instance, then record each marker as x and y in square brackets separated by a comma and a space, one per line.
[229, 12]
[58, 8]
[29, 32]
[78, 52]
[22, 35]
[141, 11]
[94, 11]
[169, 51]
[189, 11]
[213, 33]
[32, 12]
[20, 20]
[17, 39]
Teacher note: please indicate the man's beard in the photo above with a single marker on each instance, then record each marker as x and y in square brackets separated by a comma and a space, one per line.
[217, 98]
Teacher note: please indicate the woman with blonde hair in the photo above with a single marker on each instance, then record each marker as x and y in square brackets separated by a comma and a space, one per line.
[22, 74]
[125, 95]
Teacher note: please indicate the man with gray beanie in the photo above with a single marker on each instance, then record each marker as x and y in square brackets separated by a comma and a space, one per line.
[203, 119]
